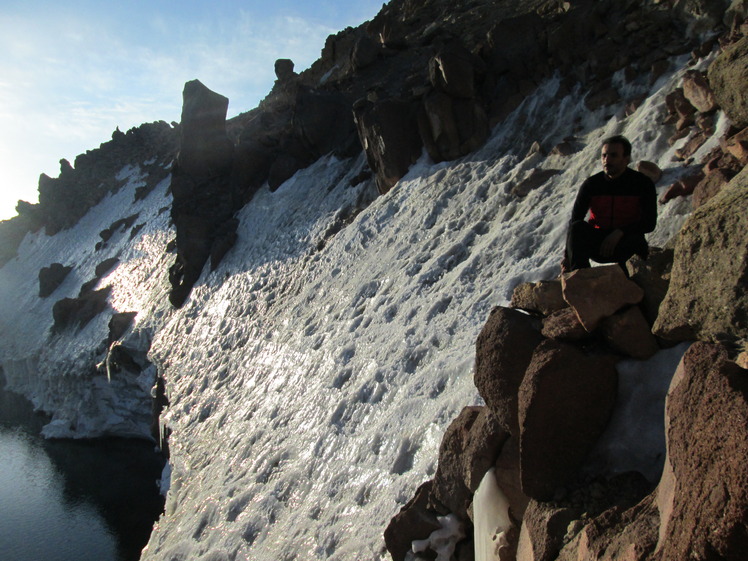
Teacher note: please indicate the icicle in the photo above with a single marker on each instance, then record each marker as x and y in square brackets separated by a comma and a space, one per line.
[490, 518]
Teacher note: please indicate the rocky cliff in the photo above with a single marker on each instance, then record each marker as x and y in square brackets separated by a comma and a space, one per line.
[436, 77]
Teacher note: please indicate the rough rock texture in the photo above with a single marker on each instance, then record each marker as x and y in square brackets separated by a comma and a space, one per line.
[653, 276]
[617, 534]
[708, 294]
[543, 297]
[543, 530]
[697, 91]
[629, 333]
[51, 277]
[728, 75]
[599, 292]
[565, 401]
[503, 351]
[564, 325]
[710, 186]
[203, 199]
[703, 495]
[414, 522]
[468, 450]
[389, 135]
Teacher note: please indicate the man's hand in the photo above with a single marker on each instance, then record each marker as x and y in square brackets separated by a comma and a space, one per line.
[610, 242]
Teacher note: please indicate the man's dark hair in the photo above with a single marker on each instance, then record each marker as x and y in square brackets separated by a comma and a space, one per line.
[622, 141]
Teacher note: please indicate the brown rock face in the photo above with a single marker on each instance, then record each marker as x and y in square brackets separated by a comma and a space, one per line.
[710, 186]
[708, 296]
[543, 530]
[564, 326]
[543, 297]
[697, 91]
[653, 275]
[565, 401]
[629, 333]
[703, 495]
[414, 522]
[449, 482]
[599, 292]
[728, 75]
[503, 352]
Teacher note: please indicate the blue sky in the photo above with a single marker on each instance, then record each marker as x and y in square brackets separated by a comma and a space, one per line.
[73, 71]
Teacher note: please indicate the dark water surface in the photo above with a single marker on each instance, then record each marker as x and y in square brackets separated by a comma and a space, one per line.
[65, 500]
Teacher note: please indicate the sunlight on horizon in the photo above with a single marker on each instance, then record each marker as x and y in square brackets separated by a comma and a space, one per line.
[74, 74]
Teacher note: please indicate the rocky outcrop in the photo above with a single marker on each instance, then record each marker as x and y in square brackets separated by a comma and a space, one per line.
[51, 277]
[388, 132]
[504, 349]
[597, 293]
[65, 199]
[728, 75]
[565, 401]
[77, 312]
[708, 298]
[200, 184]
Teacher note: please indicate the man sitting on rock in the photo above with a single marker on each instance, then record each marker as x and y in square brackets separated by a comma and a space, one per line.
[622, 207]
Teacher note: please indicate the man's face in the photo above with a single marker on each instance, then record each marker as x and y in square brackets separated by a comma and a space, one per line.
[613, 160]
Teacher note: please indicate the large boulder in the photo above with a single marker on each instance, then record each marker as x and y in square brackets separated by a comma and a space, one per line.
[504, 349]
[599, 292]
[708, 297]
[728, 75]
[703, 494]
[697, 91]
[565, 402]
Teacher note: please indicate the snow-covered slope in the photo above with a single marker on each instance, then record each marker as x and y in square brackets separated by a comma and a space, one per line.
[312, 375]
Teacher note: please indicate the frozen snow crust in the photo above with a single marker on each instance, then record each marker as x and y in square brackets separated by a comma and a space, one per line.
[310, 383]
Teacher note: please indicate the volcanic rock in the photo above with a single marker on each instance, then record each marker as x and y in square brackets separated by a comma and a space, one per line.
[564, 325]
[565, 402]
[389, 134]
[728, 75]
[629, 333]
[653, 276]
[414, 522]
[598, 292]
[708, 296]
[703, 494]
[504, 349]
[710, 186]
[543, 297]
[697, 91]
[51, 277]
[543, 530]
